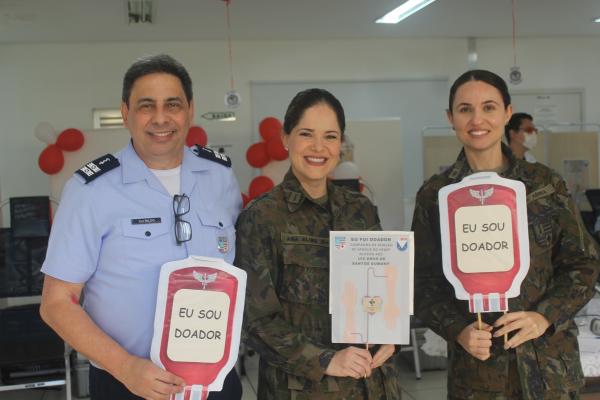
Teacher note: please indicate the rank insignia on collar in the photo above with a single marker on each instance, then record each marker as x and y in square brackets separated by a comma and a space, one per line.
[223, 244]
[210, 154]
[98, 167]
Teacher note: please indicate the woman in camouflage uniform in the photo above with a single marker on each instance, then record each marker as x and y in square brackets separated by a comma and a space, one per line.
[541, 358]
[283, 244]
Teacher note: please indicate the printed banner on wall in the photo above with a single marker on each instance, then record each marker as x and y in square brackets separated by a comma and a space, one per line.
[485, 241]
[198, 321]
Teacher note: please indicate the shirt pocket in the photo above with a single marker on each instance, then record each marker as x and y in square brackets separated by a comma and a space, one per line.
[304, 276]
[145, 228]
[218, 232]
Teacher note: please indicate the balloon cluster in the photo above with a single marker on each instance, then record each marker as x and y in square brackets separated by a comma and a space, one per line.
[260, 154]
[51, 159]
[196, 135]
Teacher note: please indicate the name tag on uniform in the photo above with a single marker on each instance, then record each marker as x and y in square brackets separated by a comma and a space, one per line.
[145, 221]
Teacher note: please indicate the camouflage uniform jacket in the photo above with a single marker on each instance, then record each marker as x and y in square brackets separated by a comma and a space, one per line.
[564, 266]
[283, 244]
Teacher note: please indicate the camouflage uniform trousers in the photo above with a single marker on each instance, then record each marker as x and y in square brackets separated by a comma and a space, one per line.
[353, 389]
[513, 389]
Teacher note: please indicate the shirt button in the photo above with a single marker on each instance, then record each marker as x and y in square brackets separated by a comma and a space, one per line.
[147, 233]
[220, 224]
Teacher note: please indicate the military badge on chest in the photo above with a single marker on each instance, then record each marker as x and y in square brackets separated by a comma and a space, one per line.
[542, 232]
[223, 244]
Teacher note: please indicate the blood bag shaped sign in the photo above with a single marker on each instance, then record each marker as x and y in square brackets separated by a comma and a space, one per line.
[485, 242]
[198, 322]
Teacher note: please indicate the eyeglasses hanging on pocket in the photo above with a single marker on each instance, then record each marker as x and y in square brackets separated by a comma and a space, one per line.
[183, 229]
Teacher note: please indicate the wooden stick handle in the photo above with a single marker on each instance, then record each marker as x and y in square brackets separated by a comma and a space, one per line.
[506, 334]
[479, 321]
[367, 348]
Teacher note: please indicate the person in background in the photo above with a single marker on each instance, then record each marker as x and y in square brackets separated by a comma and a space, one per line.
[540, 360]
[121, 218]
[283, 244]
[521, 136]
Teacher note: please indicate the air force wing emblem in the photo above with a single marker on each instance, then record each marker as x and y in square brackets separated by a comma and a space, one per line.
[204, 279]
[481, 194]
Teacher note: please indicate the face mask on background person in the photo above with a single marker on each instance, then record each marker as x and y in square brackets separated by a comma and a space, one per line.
[530, 140]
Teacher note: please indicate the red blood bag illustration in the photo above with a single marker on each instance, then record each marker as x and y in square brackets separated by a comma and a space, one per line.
[198, 321]
[485, 242]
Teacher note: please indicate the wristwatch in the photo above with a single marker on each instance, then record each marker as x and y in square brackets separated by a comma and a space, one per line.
[325, 358]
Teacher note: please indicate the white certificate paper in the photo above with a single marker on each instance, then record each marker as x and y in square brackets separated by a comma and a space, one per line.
[371, 286]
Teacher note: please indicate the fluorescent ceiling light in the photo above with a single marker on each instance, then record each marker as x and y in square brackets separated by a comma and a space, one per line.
[404, 11]
[597, 20]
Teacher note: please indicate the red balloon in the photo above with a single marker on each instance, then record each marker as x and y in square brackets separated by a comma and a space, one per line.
[260, 185]
[51, 159]
[245, 200]
[196, 135]
[257, 155]
[270, 128]
[276, 150]
[70, 139]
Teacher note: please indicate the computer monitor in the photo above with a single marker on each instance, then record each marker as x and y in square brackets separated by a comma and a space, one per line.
[30, 216]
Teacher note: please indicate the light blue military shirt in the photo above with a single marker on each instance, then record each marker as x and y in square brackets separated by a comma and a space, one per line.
[115, 232]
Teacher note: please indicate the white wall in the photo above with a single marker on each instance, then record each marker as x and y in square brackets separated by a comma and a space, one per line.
[61, 83]
[551, 63]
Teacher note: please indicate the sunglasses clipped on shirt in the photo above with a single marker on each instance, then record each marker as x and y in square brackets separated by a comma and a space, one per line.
[183, 229]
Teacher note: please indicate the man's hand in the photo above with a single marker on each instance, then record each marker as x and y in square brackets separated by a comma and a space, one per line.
[528, 324]
[146, 380]
[384, 352]
[352, 362]
[476, 342]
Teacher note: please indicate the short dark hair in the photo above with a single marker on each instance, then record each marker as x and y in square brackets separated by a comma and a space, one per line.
[484, 76]
[515, 123]
[156, 64]
[308, 98]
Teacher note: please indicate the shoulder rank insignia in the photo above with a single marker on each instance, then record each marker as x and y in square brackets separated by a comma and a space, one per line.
[99, 166]
[210, 154]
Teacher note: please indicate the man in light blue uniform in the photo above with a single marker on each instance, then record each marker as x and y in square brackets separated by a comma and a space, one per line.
[121, 218]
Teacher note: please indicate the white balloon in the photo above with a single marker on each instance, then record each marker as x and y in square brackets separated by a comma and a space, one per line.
[346, 170]
[46, 133]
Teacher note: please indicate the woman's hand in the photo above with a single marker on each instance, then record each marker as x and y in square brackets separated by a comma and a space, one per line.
[352, 362]
[476, 342]
[528, 324]
[384, 352]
